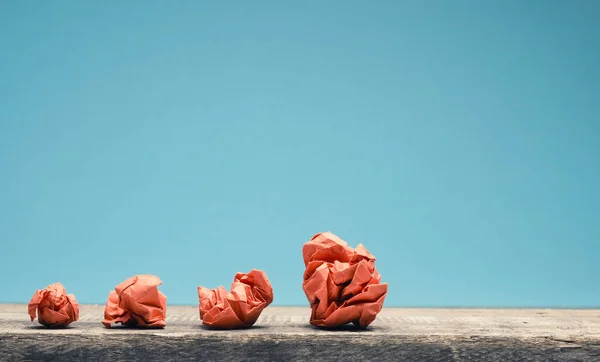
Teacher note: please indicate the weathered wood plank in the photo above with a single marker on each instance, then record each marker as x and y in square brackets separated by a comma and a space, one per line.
[284, 334]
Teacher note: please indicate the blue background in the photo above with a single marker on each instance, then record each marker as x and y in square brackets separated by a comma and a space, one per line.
[457, 140]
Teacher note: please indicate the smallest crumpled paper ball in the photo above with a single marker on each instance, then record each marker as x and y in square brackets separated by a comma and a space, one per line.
[54, 307]
[240, 308]
[137, 302]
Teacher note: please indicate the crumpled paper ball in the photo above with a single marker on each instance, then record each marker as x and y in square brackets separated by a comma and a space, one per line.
[240, 308]
[54, 307]
[341, 283]
[137, 302]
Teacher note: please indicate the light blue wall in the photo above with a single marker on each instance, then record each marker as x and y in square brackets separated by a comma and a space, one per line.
[458, 140]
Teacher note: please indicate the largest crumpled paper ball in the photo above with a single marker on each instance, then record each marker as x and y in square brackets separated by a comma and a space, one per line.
[341, 283]
[137, 302]
[240, 308]
[54, 307]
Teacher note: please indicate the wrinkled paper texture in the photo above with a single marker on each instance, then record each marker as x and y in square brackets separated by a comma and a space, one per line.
[240, 308]
[341, 283]
[54, 307]
[137, 302]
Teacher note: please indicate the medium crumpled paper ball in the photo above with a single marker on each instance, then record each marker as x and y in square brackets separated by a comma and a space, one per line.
[342, 284]
[137, 302]
[54, 307]
[240, 308]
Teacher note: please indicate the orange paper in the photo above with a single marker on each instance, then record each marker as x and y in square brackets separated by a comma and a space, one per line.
[341, 283]
[137, 302]
[250, 294]
[55, 308]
